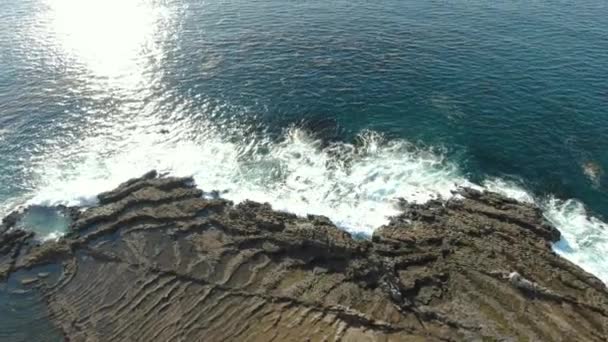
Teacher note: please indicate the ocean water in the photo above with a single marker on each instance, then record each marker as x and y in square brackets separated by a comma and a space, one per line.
[336, 108]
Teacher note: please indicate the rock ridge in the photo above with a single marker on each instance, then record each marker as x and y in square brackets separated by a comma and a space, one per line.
[157, 261]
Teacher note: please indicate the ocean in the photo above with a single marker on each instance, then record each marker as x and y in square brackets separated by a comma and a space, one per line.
[337, 108]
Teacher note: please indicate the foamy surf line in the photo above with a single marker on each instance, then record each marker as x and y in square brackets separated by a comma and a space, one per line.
[584, 238]
[356, 186]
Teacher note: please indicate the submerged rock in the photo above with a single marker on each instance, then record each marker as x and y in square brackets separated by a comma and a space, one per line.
[28, 281]
[157, 261]
[593, 171]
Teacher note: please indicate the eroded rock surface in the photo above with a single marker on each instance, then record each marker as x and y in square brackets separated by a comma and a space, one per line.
[155, 261]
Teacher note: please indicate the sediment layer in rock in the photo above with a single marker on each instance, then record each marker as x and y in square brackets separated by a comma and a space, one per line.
[155, 261]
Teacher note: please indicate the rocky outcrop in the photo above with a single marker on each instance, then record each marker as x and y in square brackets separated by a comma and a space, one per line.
[156, 261]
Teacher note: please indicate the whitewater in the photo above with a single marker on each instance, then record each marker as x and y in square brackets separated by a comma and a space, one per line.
[357, 185]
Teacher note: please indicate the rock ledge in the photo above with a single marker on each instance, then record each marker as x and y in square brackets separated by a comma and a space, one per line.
[155, 261]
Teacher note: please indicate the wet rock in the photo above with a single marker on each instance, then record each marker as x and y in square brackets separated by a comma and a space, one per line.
[12, 244]
[28, 281]
[19, 291]
[158, 261]
[10, 220]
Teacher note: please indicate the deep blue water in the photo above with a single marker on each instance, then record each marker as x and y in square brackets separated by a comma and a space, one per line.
[409, 98]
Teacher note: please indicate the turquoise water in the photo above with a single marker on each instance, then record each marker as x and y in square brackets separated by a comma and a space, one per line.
[328, 107]
[47, 222]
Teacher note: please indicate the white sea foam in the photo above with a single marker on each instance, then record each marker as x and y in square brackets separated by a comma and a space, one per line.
[52, 236]
[509, 189]
[355, 185]
[584, 238]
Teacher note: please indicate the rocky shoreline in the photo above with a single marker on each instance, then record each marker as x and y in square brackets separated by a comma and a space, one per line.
[156, 260]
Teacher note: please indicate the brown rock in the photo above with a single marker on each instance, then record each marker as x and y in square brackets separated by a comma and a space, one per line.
[157, 262]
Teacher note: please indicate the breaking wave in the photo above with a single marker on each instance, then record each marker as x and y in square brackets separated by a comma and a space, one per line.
[357, 185]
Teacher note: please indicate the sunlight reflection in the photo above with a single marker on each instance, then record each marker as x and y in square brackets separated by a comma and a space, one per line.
[107, 36]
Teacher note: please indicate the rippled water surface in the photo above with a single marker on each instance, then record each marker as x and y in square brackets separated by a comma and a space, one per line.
[327, 107]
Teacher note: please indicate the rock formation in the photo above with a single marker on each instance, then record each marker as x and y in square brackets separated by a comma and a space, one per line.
[593, 171]
[156, 261]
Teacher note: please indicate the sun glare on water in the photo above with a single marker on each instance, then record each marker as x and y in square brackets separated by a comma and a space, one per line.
[107, 36]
